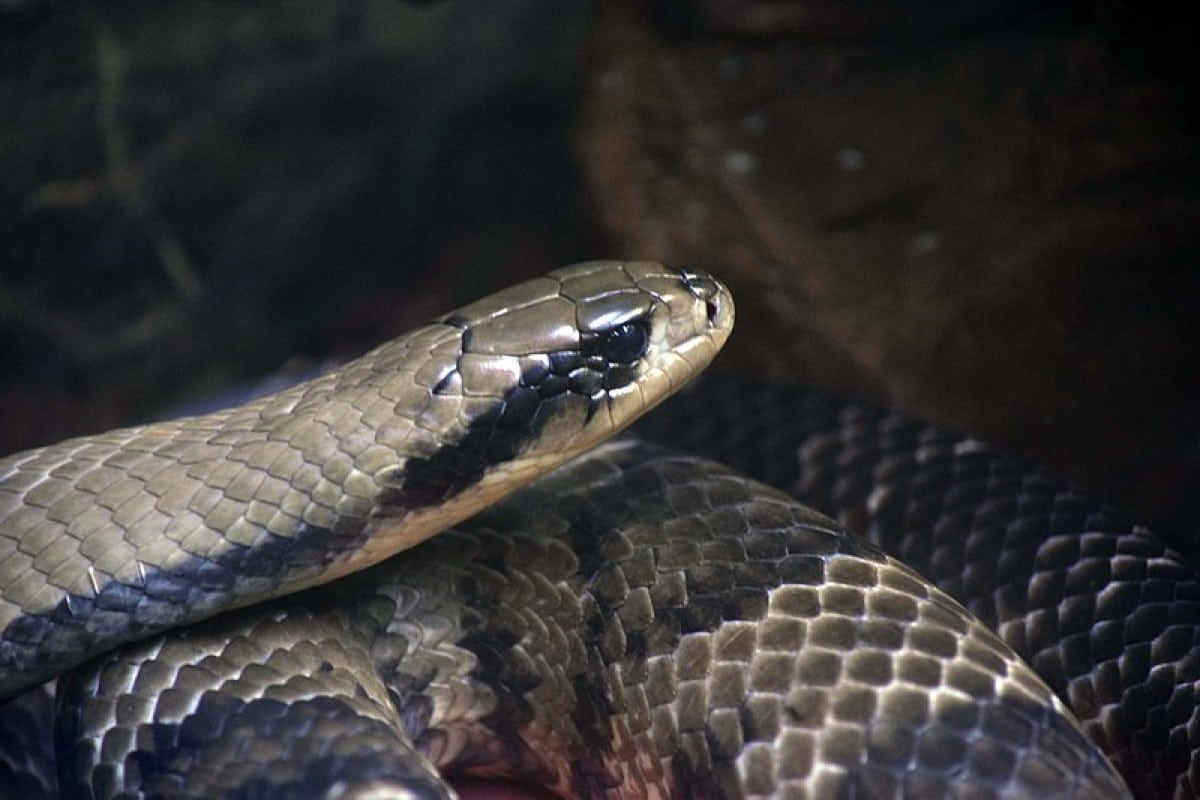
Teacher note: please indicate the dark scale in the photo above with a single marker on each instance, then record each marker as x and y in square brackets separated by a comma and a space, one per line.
[520, 407]
[621, 344]
[625, 343]
[535, 372]
[553, 385]
[586, 381]
[563, 361]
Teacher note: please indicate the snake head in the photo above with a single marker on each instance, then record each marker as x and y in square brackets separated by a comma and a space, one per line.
[535, 374]
[587, 349]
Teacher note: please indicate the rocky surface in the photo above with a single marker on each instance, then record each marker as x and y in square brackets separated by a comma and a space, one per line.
[994, 225]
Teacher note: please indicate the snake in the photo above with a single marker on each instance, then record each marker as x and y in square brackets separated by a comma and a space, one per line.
[227, 609]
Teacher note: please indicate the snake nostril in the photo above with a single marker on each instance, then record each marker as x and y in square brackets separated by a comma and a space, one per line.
[712, 308]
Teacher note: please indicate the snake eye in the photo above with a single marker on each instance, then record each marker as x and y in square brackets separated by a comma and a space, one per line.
[625, 343]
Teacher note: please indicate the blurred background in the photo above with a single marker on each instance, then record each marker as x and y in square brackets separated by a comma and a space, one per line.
[987, 214]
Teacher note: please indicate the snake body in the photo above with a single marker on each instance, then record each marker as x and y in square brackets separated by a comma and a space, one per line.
[636, 625]
[108, 538]
[1105, 611]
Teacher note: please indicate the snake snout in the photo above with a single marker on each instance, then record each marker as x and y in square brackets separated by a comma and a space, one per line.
[718, 302]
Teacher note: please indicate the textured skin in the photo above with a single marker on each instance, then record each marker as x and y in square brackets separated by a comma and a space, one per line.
[1105, 612]
[108, 538]
[484, 699]
[636, 625]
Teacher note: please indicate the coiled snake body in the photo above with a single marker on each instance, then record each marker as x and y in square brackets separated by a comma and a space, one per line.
[636, 624]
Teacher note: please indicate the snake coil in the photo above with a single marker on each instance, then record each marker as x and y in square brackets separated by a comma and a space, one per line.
[636, 623]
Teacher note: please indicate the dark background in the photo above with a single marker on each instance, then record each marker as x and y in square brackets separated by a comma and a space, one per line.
[987, 214]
